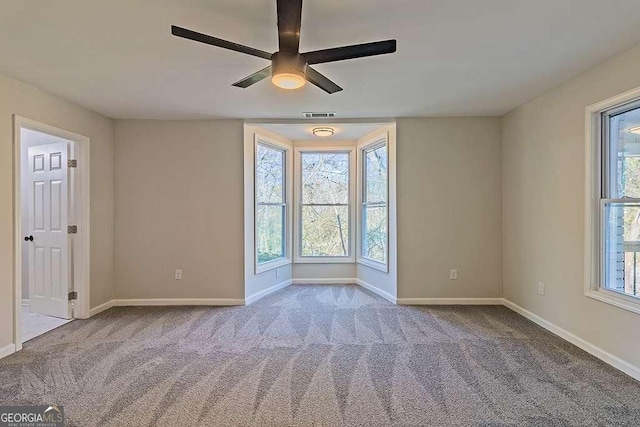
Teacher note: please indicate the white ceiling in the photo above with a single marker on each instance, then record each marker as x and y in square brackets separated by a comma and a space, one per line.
[455, 57]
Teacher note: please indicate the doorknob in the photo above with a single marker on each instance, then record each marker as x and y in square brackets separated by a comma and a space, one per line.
[28, 239]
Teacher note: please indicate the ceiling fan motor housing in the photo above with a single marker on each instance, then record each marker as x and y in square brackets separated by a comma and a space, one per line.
[290, 63]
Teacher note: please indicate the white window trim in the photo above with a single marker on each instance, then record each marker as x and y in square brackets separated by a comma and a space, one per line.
[276, 263]
[297, 257]
[378, 141]
[593, 170]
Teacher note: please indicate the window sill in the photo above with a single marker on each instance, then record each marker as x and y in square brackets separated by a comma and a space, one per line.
[272, 265]
[625, 302]
[324, 260]
[374, 264]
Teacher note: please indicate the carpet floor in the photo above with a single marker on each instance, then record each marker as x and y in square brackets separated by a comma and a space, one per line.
[317, 355]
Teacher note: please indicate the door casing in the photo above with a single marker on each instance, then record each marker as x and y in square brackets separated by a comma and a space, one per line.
[81, 253]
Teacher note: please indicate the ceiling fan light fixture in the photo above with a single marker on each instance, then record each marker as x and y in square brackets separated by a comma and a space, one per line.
[288, 80]
[323, 131]
[288, 71]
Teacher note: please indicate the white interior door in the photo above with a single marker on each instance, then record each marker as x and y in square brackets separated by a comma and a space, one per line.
[48, 240]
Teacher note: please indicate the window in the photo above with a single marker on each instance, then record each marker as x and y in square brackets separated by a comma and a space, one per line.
[374, 204]
[324, 213]
[271, 204]
[620, 199]
[612, 216]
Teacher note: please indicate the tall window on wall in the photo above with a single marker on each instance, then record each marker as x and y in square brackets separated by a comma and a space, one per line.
[620, 199]
[271, 205]
[375, 208]
[324, 206]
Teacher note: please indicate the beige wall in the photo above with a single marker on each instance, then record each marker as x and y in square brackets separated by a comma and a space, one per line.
[179, 204]
[449, 215]
[543, 150]
[325, 271]
[27, 101]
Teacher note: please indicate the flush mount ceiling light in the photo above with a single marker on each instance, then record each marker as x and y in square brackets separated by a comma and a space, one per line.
[635, 130]
[323, 132]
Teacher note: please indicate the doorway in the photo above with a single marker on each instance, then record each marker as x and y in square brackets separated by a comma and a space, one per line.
[51, 228]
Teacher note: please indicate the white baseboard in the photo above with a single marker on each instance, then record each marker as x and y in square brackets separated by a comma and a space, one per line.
[377, 291]
[616, 362]
[177, 301]
[102, 307]
[7, 350]
[450, 301]
[338, 281]
[263, 293]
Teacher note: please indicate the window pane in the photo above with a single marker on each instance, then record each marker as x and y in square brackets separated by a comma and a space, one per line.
[374, 245]
[325, 231]
[376, 175]
[325, 178]
[269, 175]
[270, 232]
[624, 155]
[622, 247]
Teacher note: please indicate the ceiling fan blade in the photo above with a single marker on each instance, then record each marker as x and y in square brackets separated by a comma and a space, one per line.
[350, 52]
[289, 21]
[321, 81]
[214, 41]
[254, 78]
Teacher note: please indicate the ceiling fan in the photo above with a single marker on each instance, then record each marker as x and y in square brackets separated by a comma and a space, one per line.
[289, 68]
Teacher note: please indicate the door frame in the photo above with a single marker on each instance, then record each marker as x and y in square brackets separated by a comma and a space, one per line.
[81, 253]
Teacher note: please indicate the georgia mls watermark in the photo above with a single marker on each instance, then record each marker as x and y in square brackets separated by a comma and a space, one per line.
[32, 416]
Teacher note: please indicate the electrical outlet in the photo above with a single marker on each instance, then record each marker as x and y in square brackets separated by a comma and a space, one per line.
[178, 275]
[453, 274]
[541, 288]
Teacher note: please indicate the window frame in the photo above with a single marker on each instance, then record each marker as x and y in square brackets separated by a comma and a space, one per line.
[297, 255]
[279, 262]
[363, 149]
[596, 198]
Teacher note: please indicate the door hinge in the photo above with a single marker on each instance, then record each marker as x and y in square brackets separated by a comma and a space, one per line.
[72, 229]
[73, 295]
[72, 163]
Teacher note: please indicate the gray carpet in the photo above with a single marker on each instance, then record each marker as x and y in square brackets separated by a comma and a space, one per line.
[317, 355]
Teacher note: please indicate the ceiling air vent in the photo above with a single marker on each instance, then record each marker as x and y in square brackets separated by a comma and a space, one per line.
[319, 115]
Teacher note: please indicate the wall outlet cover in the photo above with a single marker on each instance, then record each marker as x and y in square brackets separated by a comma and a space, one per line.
[453, 274]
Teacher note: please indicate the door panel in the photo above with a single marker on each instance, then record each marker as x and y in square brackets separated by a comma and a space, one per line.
[56, 205]
[38, 205]
[48, 207]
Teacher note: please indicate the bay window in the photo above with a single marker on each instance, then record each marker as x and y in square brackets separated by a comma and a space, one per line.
[374, 205]
[270, 205]
[324, 209]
